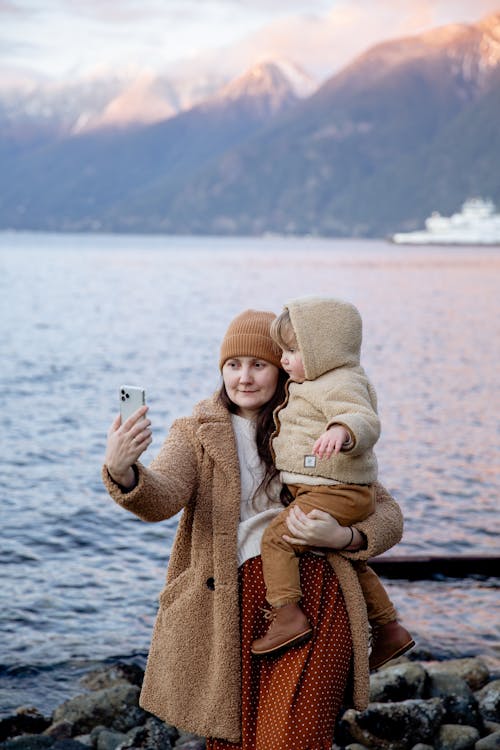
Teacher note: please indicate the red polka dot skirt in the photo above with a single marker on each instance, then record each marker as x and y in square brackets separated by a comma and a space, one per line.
[291, 701]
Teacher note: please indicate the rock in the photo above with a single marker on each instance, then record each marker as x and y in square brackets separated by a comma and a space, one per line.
[118, 673]
[462, 710]
[491, 742]
[40, 742]
[394, 726]
[109, 740]
[154, 735]
[352, 746]
[421, 746]
[94, 734]
[456, 737]
[26, 720]
[60, 730]
[28, 742]
[84, 739]
[116, 708]
[421, 654]
[474, 671]
[489, 701]
[198, 744]
[440, 684]
[189, 741]
[397, 683]
[28, 711]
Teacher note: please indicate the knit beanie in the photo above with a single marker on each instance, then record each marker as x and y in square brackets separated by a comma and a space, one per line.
[248, 336]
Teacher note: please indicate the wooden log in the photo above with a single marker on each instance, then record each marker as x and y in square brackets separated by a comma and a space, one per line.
[422, 567]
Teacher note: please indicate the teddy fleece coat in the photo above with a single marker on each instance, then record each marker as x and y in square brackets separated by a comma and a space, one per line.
[336, 391]
[192, 677]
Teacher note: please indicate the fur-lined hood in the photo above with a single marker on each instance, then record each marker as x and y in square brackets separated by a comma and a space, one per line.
[328, 332]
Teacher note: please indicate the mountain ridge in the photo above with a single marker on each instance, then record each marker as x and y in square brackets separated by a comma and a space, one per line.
[352, 134]
[91, 171]
[123, 101]
[354, 158]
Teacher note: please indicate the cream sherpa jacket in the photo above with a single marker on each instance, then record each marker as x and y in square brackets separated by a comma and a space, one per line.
[336, 390]
[193, 676]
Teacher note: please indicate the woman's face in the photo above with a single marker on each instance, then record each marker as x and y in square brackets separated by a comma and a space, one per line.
[250, 383]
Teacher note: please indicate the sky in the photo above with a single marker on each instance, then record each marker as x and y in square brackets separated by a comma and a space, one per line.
[67, 39]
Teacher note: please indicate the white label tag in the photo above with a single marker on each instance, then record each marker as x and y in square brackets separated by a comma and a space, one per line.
[309, 462]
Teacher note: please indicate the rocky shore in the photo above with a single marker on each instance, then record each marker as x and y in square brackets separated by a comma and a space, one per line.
[414, 705]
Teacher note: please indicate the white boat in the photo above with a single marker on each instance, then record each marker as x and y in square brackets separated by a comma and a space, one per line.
[476, 224]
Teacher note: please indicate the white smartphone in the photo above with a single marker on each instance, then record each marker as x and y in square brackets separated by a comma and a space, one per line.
[132, 397]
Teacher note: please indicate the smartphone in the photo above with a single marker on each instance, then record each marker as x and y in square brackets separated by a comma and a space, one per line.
[132, 397]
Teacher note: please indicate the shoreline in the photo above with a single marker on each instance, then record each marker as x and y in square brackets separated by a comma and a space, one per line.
[412, 701]
[45, 686]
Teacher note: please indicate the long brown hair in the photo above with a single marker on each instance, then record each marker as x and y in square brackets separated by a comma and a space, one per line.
[264, 429]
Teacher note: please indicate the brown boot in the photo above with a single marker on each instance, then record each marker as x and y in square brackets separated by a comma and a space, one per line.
[289, 627]
[388, 641]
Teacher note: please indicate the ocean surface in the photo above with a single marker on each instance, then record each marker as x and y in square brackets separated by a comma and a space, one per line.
[82, 314]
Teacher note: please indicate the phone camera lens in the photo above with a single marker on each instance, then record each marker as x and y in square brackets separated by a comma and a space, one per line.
[123, 398]
[127, 395]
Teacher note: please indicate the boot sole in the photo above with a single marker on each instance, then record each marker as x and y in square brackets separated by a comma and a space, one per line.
[297, 640]
[397, 653]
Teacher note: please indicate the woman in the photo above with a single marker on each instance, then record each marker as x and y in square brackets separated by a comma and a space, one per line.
[216, 465]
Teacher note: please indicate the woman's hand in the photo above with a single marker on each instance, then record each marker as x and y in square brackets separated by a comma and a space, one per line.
[126, 442]
[319, 529]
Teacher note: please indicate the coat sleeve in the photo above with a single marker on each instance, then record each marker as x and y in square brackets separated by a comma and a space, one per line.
[383, 529]
[168, 484]
[350, 403]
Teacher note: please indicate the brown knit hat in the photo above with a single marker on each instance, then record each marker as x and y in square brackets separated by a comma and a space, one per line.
[248, 336]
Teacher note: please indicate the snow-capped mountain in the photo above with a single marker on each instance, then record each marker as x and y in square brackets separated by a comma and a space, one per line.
[469, 54]
[98, 101]
[147, 98]
[408, 127]
[276, 80]
[104, 101]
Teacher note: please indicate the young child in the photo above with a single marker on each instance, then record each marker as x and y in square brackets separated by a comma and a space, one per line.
[323, 446]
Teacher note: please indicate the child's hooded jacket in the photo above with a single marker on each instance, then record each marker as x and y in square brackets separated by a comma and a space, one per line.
[336, 391]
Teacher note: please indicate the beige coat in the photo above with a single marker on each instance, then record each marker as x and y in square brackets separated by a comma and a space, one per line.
[192, 676]
[336, 391]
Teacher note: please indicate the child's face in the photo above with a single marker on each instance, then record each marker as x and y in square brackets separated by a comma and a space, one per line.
[291, 361]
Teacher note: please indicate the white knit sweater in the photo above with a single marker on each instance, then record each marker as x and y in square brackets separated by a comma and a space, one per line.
[256, 508]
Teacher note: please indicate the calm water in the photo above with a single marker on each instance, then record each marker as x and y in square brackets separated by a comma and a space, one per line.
[82, 314]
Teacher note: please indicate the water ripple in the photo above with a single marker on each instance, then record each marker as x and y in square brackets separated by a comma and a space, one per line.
[80, 576]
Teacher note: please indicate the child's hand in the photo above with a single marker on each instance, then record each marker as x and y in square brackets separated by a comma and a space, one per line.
[331, 441]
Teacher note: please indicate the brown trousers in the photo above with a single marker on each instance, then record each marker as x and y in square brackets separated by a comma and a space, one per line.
[349, 504]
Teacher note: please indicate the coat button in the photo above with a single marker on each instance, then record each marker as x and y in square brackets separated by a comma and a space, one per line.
[210, 584]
